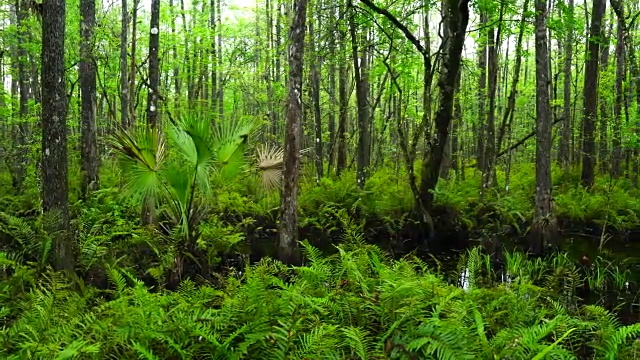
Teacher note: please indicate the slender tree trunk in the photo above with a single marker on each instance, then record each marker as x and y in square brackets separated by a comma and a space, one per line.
[565, 140]
[619, 100]
[490, 145]
[132, 66]
[604, 113]
[55, 191]
[482, 91]
[278, 62]
[511, 101]
[177, 88]
[455, 130]
[315, 98]
[591, 94]
[450, 66]
[288, 247]
[214, 57]
[332, 93]
[362, 99]
[89, 153]
[21, 131]
[343, 98]
[124, 81]
[220, 87]
[544, 226]
[634, 71]
[154, 61]
[148, 208]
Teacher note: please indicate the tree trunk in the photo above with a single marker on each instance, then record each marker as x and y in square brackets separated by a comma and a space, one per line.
[132, 66]
[565, 139]
[511, 101]
[482, 91]
[55, 191]
[154, 60]
[457, 21]
[315, 99]
[220, 88]
[288, 246]
[591, 94]
[149, 207]
[21, 131]
[362, 98]
[343, 99]
[619, 100]
[332, 91]
[89, 153]
[544, 226]
[604, 114]
[214, 58]
[634, 71]
[490, 145]
[124, 80]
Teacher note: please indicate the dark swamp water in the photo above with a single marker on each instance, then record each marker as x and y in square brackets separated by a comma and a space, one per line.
[581, 270]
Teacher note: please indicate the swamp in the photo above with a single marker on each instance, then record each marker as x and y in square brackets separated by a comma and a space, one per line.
[319, 179]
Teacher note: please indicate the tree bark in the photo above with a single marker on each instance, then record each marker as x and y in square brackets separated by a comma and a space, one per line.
[55, 189]
[457, 21]
[490, 145]
[362, 98]
[124, 79]
[482, 91]
[511, 101]
[543, 229]
[220, 88]
[89, 154]
[332, 93]
[132, 65]
[619, 100]
[591, 94]
[604, 114]
[634, 71]
[214, 58]
[21, 131]
[288, 246]
[343, 98]
[154, 70]
[315, 98]
[565, 139]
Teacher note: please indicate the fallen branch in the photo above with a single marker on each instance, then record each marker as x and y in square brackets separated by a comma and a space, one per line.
[517, 143]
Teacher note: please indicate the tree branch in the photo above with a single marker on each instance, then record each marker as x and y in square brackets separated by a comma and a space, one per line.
[517, 143]
[398, 24]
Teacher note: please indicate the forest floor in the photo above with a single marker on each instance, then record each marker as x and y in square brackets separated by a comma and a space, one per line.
[369, 286]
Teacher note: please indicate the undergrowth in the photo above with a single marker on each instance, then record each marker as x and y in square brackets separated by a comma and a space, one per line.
[355, 304]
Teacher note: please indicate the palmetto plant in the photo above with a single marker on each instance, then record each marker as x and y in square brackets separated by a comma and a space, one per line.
[174, 168]
[270, 162]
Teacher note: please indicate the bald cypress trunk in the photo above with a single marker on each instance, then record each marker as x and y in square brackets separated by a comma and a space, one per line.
[55, 189]
[591, 94]
[544, 225]
[288, 246]
[89, 153]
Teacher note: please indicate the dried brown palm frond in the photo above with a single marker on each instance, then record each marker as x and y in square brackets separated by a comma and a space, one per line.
[270, 159]
[270, 162]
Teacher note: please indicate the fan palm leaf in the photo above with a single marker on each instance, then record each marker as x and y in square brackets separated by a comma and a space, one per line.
[230, 140]
[143, 153]
[193, 136]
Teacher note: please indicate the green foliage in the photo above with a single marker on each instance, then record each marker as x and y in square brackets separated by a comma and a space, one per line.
[356, 304]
